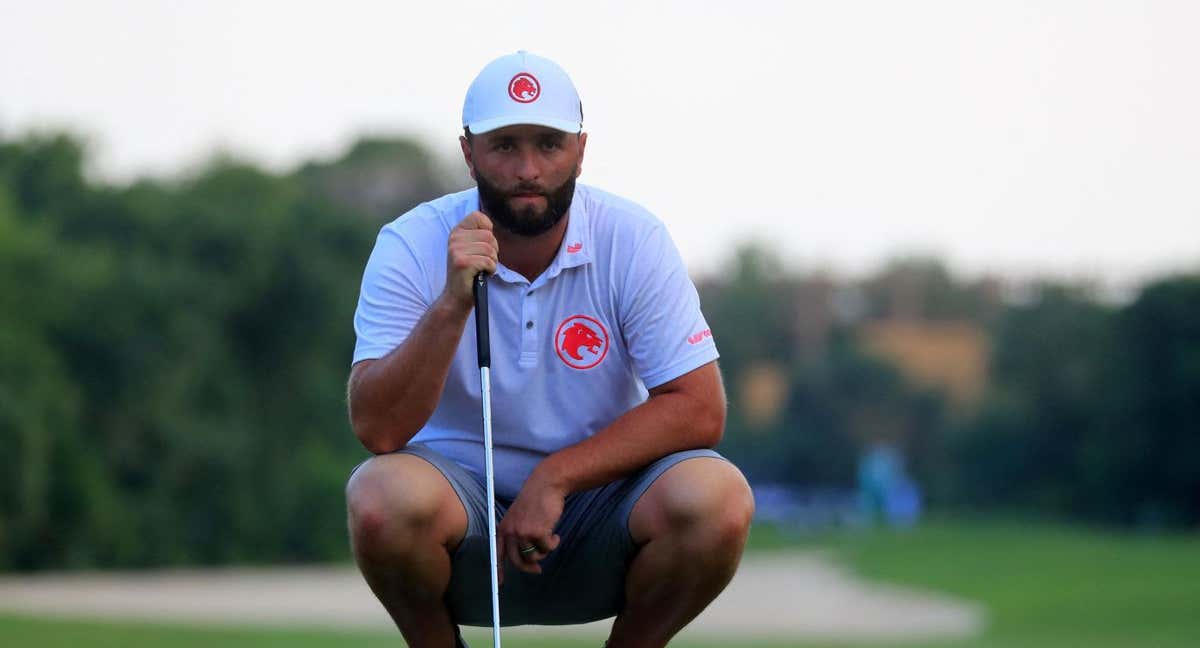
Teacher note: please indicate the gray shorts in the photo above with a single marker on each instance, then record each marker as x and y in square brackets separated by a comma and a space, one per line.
[581, 581]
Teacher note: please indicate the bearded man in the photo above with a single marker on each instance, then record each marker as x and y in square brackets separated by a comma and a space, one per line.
[606, 393]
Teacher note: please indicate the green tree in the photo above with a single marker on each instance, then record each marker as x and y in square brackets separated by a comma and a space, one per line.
[173, 356]
[1143, 462]
[1023, 449]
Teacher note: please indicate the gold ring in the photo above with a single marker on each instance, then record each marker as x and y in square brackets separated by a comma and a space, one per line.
[527, 549]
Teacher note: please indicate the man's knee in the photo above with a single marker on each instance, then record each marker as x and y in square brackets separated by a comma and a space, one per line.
[705, 498]
[396, 499]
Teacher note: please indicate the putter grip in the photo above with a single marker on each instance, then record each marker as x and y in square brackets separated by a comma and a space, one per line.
[483, 344]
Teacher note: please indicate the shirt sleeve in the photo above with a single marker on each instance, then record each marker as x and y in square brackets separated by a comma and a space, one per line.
[395, 295]
[661, 322]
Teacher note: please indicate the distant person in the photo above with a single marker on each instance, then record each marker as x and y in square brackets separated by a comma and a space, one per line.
[885, 490]
[606, 394]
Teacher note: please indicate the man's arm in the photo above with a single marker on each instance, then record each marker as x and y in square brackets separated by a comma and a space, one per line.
[682, 414]
[391, 398]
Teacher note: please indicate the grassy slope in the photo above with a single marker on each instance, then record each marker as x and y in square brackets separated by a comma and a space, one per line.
[21, 632]
[1042, 586]
[1046, 585]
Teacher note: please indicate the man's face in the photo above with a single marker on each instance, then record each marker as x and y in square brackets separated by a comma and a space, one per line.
[526, 175]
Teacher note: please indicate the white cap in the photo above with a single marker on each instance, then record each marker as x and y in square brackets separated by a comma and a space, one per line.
[522, 88]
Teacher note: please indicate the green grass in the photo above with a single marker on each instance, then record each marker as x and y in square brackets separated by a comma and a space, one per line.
[23, 632]
[1042, 585]
[48, 633]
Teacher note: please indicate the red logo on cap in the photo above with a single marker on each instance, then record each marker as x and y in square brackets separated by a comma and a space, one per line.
[524, 88]
[581, 342]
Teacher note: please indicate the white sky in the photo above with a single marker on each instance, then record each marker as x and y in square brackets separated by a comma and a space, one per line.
[1015, 137]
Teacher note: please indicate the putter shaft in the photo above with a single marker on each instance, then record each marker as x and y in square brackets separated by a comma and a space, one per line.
[483, 349]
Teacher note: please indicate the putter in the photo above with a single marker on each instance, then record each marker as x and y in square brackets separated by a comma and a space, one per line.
[484, 350]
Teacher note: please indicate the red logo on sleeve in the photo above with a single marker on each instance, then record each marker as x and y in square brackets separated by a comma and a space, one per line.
[581, 342]
[574, 247]
[697, 338]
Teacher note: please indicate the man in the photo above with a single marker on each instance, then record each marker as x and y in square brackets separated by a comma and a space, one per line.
[606, 395]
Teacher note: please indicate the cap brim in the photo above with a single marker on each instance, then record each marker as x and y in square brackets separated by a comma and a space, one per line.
[486, 125]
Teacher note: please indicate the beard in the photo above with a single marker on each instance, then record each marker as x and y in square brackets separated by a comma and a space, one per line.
[527, 221]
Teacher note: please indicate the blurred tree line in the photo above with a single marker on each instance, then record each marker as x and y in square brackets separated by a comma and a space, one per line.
[1088, 410]
[173, 355]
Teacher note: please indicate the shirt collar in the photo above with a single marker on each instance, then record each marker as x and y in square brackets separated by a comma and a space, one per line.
[576, 249]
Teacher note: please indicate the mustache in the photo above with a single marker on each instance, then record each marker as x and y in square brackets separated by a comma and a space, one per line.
[525, 188]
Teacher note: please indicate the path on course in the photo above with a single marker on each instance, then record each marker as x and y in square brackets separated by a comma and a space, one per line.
[790, 595]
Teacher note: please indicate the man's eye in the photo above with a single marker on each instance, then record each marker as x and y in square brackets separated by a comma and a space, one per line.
[503, 146]
[551, 145]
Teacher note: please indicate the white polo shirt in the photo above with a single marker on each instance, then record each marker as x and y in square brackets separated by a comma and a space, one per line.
[613, 315]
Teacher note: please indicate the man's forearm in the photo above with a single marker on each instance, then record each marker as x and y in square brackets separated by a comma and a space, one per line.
[391, 399]
[667, 422]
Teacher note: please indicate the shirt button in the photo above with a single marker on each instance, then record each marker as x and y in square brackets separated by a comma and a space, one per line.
[529, 324]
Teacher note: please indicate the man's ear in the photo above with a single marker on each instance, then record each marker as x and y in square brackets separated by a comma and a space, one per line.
[465, 144]
[582, 147]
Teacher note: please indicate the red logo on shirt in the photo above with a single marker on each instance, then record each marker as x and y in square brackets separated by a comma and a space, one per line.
[574, 247]
[697, 338]
[581, 342]
[524, 88]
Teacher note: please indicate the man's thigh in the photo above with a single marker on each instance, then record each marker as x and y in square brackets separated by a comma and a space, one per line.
[581, 581]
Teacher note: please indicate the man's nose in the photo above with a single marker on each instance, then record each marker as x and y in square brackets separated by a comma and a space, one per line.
[527, 168]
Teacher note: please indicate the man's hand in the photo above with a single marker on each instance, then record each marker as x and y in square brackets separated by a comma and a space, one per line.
[472, 249]
[530, 522]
